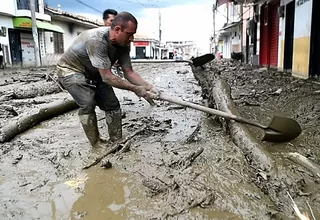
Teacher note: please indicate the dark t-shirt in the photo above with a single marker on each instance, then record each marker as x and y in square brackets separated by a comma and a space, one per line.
[92, 50]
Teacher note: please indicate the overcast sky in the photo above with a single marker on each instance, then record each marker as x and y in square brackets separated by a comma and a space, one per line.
[180, 19]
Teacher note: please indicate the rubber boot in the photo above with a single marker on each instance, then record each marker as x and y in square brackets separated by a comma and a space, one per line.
[114, 122]
[90, 127]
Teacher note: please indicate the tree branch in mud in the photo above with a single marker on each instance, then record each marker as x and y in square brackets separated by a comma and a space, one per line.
[271, 175]
[303, 161]
[193, 135]
[121, 144]
[22, 124]
[31, 91]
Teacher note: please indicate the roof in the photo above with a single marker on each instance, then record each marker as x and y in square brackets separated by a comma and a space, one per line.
[231, 25]
[59, 12]
[143, 37]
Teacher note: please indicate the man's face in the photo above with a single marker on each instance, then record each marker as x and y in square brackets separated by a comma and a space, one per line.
[108, 21]
[125, 37]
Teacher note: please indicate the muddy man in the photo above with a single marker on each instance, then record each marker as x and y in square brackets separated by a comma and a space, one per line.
[85, 72]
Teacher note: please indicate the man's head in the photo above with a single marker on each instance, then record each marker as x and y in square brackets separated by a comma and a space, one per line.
[108, 16]
[123, 27]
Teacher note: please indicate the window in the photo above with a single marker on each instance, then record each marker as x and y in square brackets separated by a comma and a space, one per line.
[25, 5]
[58, 42]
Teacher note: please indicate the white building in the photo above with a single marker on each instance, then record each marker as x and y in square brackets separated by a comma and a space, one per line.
[181, 49]
[230, 34]
[72, 25]
[144, 47]
[16, 35]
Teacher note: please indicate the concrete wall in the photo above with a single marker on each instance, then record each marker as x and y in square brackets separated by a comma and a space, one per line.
[50, 58]
[6, 22]
[8, 8]
[68, 36]
[302, 35]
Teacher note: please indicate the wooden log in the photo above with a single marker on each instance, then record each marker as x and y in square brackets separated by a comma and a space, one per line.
[31, 91]
[20, 125]
[268, 173]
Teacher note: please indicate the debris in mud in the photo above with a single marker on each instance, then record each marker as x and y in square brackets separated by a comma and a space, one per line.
[182, 72]
[40, 185]
[17, 159]
[193, 136]
[176, 108]
[155, 185]
[116, 147]
[79, 215]
[186, 161]
[25, 122]
[106, 164]
[228, 87]
[7, 111]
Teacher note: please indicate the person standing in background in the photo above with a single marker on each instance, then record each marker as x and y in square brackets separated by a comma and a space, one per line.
[108, 16]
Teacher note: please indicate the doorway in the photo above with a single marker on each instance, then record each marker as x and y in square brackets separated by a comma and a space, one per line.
[314, 67]
[289, 36]
[140, 52]
[15, 48]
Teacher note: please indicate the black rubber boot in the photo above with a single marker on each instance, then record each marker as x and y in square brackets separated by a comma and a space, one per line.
[90, 127]
[114, 122]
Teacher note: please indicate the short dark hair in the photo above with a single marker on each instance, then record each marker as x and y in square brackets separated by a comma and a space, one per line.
[108, 12]
[122, 20]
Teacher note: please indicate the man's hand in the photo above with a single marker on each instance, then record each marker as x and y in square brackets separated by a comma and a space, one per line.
[154, 93]
[141, 91]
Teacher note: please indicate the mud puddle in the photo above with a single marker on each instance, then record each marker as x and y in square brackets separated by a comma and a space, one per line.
[159, 178]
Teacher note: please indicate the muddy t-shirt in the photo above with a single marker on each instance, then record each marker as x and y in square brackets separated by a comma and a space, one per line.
[92, 50]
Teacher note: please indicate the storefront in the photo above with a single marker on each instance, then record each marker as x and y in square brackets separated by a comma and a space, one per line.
[21, 40]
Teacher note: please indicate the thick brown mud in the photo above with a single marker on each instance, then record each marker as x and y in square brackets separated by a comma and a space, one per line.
[164, 175]
[258, 94]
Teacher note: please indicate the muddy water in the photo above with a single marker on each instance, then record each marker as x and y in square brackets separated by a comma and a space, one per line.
[48, 183]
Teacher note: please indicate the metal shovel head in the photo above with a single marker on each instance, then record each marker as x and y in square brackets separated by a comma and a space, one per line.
[201, 60]
[281, 129]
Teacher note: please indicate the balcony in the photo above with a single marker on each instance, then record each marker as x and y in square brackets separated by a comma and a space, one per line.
[23, 10]
[25, 5]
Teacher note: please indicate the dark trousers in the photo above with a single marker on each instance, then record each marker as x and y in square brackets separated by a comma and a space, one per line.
[88, 93]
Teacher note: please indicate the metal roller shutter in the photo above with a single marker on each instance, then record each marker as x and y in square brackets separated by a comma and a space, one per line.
[274, 34]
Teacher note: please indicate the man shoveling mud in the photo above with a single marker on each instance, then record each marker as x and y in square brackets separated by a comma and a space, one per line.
[85, 72]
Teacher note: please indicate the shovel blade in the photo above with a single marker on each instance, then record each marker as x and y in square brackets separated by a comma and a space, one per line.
[282, 129]
[201, 60]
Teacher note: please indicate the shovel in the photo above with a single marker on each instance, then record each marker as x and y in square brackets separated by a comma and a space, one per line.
[279, 130]
[197, 61]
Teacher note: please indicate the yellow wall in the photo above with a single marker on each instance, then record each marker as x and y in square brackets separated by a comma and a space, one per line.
[281, 55]
[301, 54]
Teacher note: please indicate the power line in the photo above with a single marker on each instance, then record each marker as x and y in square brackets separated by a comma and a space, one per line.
[89, 6]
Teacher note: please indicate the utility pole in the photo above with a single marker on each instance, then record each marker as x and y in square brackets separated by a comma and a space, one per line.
[160, 53]
[35, 32]
[214, 28]
[241, 28]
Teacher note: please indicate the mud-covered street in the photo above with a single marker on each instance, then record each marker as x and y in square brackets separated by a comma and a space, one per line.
[176, 163]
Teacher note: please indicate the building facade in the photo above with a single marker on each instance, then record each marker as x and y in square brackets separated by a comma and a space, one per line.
[144, 47]
[72, 25]
[279, 34]
[229, 37]
[16, 31]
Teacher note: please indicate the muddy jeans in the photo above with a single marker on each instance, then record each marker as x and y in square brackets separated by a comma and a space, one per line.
[88, 93]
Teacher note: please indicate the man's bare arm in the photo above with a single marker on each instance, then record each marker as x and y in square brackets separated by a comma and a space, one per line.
[112, 80]
[135, 78]
[109, 78]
